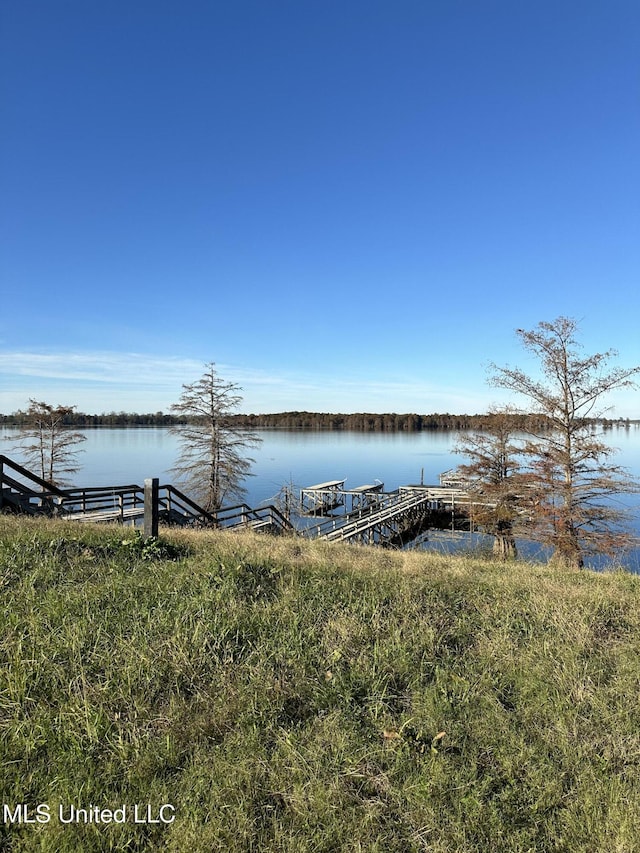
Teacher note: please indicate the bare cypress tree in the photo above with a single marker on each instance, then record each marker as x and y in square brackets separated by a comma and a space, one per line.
[213, 462]
[569, 466]
[48, 445]
[492, 479]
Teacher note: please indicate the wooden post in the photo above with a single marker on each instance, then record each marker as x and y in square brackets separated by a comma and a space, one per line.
[151, 491]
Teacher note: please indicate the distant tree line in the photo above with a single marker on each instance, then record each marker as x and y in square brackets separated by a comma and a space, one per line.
[357, 422]
[362, 421]
[391, 422]
[81, 419]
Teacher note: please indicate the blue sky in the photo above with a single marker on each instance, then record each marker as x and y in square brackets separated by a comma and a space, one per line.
[347, 206]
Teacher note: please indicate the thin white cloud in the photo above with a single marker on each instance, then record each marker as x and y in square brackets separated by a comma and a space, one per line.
[107, 367]
[122, 369]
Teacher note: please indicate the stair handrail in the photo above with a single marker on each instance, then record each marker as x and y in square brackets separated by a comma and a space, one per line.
[48, 487]
[245, 513]
[276, 514]
[196, 510]
[229, 513]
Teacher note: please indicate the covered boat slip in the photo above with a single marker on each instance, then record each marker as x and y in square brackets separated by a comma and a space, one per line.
[323, 498]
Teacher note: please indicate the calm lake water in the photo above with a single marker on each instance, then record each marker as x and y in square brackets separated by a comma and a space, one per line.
[118, 456]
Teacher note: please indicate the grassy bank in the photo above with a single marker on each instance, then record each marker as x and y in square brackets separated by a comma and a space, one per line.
[293, 696]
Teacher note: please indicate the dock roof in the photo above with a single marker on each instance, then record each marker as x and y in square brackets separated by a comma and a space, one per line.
[331, 484]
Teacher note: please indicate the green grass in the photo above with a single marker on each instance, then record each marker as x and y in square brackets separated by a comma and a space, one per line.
[294, 696]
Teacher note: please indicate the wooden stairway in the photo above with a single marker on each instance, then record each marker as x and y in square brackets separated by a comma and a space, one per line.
[21, 491]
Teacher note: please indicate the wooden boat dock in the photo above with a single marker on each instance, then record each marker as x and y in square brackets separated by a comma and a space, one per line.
[382, 518]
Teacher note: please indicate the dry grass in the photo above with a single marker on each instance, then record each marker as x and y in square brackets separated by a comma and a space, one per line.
[287, 695]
